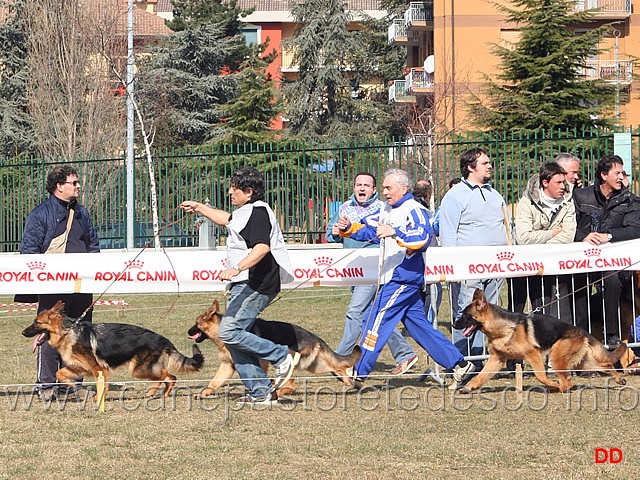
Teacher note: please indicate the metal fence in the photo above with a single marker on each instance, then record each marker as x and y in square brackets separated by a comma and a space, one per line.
[304, 182]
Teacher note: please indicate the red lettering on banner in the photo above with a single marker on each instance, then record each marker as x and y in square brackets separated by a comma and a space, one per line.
[354, 272]
[613, 262]
[56, 277]
[16, 277]
[439, 270]
[113, 276]
[157, 276]
[533, 267]
[574, 264]
[486, 268]
[205, 275]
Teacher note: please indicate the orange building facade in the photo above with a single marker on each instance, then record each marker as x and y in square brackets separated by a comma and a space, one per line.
[449, 52]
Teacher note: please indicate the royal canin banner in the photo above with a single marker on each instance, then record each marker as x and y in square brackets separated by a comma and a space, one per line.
[199, 270]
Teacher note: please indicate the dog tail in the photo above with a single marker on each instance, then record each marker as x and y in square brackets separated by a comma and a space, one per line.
[352, 358]
[602, 355]
[179, 363]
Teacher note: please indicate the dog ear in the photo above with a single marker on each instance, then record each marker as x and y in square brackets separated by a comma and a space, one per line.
[479, 299]
[478, 294]
[215, 307]
[58, 307]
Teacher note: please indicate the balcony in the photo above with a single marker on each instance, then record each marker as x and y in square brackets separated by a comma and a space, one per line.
[417, 81]
[419, 16]
[398, 93]
[605, 8]
[609, 70]
[398, 34]
[287, 60]
[288, 65]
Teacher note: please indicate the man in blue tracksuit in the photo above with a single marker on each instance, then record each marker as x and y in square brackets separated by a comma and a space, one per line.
[364, 207]
[404, 233]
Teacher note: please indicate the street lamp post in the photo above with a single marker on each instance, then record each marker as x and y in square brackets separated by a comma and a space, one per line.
[130, 128]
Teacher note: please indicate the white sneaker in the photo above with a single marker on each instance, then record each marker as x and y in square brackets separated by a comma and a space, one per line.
[271, 399]
[461, 375]
[285, 370]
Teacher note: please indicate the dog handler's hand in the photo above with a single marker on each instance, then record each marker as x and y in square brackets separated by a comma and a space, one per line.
[228, 274]
[385, 231]
[189, 206]
[343, 223]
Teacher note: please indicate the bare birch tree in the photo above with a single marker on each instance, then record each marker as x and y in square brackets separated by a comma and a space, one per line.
[432, 120]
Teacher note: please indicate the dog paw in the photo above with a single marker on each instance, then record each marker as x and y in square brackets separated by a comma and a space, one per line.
[207, 392]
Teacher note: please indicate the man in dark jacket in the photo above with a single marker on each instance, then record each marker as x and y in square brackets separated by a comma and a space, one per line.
[47, 225]
[605, 212]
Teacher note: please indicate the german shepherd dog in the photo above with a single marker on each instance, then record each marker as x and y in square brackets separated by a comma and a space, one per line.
[89, 348]
[518, 336]
[315, 355]
[629, 309]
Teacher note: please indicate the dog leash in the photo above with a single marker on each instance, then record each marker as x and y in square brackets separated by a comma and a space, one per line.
[291, 290]
[127, 266]
[584, 287]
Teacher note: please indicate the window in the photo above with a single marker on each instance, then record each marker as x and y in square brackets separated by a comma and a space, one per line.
[252, 34]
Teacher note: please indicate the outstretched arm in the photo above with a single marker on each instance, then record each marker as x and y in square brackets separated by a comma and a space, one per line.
[219, 217]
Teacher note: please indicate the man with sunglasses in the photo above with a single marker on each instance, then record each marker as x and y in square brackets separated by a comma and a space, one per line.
[59, 225]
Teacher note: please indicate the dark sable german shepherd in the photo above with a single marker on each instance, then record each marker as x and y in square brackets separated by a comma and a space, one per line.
[517, 336]
[89, 348]
[315, 355]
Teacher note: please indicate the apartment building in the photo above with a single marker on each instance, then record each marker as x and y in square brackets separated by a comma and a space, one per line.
[449, 46]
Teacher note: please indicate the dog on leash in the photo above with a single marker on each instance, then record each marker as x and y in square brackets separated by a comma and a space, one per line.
[629, 309]
[90, 348]
[518, 336]
[315, 355]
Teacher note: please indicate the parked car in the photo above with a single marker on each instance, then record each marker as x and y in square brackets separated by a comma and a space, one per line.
[113, 236]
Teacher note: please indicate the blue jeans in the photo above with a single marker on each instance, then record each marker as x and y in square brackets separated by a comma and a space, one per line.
[361, 300]
[246, 348]
[474, 344]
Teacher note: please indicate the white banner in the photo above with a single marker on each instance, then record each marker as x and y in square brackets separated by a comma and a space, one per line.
[199, 270]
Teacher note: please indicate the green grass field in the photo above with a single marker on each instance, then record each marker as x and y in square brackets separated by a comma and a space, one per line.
[394, 428]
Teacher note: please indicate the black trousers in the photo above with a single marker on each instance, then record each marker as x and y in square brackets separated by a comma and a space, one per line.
[609, 287]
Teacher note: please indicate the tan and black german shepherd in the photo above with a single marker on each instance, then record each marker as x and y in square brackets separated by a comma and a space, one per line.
[315, 355]
[629, 309]
[89, 348]
[518, 336]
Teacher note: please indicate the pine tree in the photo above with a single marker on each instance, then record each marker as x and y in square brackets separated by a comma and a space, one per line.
[192, 13]
[540, 85]
[332, 62]
[249, 115]
[16, 129]
[192, 74]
